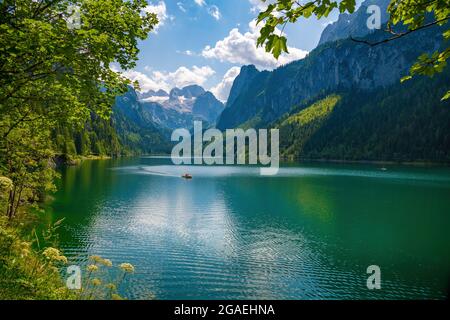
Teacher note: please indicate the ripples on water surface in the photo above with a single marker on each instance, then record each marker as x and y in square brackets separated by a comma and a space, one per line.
[308, 233]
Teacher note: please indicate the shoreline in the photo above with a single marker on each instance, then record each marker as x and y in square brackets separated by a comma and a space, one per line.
[64, 160]
[417, 163]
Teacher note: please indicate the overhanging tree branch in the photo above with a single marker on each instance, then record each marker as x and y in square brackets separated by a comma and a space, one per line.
[399, 35]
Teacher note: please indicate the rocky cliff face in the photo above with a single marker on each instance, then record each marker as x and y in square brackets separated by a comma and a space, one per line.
[242, 82]
[354, 25]
[207, 107]
[261, 98]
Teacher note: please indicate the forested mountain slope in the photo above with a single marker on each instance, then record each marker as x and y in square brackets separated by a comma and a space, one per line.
[405, 122]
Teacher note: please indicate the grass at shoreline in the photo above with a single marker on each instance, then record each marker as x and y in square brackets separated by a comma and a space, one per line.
[25, 274]
[33, 268]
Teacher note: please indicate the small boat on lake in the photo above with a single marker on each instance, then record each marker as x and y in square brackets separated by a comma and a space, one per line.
[186, 176]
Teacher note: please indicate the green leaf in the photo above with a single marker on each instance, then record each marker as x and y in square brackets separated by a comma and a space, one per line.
[405, 78]
[446, 96]
[276, 45]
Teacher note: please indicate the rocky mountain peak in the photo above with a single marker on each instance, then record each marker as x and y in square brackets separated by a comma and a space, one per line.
[247, 74]
[188, 92]
[355, 24]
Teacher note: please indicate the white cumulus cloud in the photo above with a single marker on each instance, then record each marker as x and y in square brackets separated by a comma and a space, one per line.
[259, 5]
[160, 10]
[222, 90]
[240, 48]
[181, 77]
[184, 76]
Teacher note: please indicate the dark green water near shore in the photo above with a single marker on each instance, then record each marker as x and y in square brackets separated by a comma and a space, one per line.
[308, 233]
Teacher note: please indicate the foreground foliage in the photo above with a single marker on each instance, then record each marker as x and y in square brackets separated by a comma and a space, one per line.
[24, 273]
[31, 266]
[55, 80]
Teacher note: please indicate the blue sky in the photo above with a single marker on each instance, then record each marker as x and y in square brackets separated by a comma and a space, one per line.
[205, 42]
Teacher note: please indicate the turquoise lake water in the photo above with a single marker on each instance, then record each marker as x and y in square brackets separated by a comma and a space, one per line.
[308, 233]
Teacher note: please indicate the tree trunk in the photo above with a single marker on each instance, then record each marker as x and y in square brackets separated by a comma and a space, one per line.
[12, 194]
[16, 208]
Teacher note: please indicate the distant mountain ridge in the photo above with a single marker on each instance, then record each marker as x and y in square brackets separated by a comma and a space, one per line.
[152, 93]
[181, 107]
[164, 111]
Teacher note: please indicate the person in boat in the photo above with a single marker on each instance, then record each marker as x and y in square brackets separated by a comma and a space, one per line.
[186, 176]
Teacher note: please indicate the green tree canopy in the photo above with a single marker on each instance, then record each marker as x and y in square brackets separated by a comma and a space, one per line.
[51, 69]
[56, 60]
